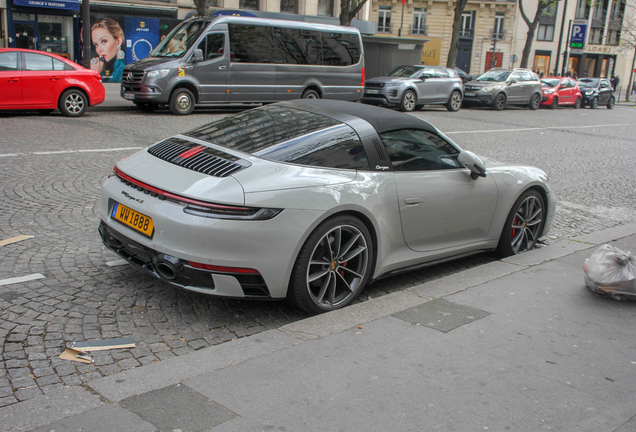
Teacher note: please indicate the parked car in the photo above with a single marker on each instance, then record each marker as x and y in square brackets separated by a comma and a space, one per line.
[310, 200]
[37, 80]
[498, 88]
[463, 75]
[597, 91]
[413, 86]
[560, 91]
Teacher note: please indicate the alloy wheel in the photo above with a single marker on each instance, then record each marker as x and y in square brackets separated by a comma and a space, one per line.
[408, 101]
[526, 224]
[74, 103]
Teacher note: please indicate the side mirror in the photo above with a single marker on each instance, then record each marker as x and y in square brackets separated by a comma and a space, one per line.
[473, 163]
[562, 86]
[513, 80]
[197, 56]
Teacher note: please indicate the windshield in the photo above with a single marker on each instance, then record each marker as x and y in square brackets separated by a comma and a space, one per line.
[588, 82]
[180, 40]
[405, 71]
[550, 82]
[496, 76]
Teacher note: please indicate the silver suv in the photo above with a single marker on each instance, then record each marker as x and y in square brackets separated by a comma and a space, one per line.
[411, 87]
[500, 87]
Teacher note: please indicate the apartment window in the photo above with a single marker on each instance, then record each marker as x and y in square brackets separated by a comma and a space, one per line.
[545, 32]
[582, 9]
[596, 36]
[613, 37]
[249, 4]
[498, 31]
[384, 19]
[289, 6]
[419, 21]
[466, 30]
[325, 7]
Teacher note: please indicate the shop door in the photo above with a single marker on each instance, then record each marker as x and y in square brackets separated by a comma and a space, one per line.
[25, 36]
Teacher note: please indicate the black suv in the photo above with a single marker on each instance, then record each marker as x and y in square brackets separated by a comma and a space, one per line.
[500, 87]
[596, 91]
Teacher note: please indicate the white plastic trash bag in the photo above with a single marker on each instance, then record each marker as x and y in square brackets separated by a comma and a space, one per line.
[611, 272]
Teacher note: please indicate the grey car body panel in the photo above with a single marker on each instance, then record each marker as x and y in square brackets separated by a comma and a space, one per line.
[518, 93]
[462, 215]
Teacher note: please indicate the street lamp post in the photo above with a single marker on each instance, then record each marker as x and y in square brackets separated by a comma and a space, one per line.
[402, 23]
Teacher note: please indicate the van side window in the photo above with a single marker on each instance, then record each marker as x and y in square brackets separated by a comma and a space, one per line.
[212, 46]
[340, 49]
[296, 46]
[252, 43]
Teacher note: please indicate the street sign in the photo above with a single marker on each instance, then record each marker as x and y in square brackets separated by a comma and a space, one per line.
[577, 37]
[515, 57]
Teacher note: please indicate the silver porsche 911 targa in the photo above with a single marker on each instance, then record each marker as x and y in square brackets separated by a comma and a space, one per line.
[312, 200]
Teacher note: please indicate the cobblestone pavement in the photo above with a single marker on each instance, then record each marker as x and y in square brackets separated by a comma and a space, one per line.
[50, 171]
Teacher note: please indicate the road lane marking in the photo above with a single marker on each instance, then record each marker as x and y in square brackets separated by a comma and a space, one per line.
[14, 239]
[21, 279]
[536, 129]
[47, 153]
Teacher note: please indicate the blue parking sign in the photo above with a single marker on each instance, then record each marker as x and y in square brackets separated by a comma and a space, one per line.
[578, 33]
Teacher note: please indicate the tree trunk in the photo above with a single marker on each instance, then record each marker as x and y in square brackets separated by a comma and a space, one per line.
[348, 11]
[457, 22]
[203, 7]
[525, 56]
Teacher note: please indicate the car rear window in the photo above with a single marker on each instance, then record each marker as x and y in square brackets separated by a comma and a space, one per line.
[283, 134]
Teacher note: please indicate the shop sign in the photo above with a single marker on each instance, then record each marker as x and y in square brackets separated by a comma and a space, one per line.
[50, 4]
[600, 49]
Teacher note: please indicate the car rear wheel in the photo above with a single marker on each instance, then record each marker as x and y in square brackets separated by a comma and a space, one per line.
[454, 102]
[73, 103]
[594, 103]
[577, 104]
[407, 103]
[555, 103]
[310, 94]
[333, 266]
[610, 103]
[182, 102]
[535, 101]
[499, 102]
[523, 225]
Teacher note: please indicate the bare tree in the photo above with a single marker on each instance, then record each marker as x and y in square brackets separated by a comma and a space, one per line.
[532, 26]
[624, 23]
[203, 7]
[349, 9]
[457, 23]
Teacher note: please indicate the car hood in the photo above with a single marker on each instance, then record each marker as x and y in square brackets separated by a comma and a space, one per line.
[386, 79]
[150, 62]
[256, 175]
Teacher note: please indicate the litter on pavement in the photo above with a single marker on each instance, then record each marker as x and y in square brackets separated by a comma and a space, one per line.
[611, 272]
[78, 351]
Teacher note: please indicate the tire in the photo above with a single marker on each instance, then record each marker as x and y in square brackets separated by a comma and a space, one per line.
[147, 107]
[535, 101]
[523, 226]
[454, 102]
[310, 94]
[182, 102]
[555, 103]
[610, 103]
[499, 104]
[577, 104]
[326, 276]
[73, 103]
[408, 101]
[594, 103]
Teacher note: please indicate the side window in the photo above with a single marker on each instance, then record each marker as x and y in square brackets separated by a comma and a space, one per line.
[8, 61]
[428, 72]
[212, 46]
[340, 49]
[418, 150]
[516, 76]
[251, 43]
[441, 72]
[295, 46]
[604, 84]
[526, 76]
[59, 65]
[38, 62]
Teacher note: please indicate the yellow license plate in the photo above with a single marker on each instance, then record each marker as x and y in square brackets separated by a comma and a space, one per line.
[135, 220]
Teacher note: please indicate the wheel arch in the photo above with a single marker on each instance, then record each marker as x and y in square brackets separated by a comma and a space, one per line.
[187, 85]
[75, 87]
[314, 87]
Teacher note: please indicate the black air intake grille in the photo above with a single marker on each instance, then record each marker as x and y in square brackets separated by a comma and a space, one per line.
[198, 158]
[374, 85]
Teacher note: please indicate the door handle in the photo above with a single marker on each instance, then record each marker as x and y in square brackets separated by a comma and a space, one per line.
[222, 67]
[13, 79]
[413, 201]
[54, 78]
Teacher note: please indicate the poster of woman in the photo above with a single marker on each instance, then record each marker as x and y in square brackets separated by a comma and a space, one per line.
[108, 55]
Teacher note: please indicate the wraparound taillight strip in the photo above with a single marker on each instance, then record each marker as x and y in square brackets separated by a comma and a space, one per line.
[176, 197]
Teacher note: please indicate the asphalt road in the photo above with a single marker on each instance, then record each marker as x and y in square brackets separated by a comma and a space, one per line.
[50, 171]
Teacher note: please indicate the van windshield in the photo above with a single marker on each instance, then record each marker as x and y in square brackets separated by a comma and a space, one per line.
[180, 40]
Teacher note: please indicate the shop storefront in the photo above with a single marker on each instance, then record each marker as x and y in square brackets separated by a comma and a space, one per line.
[44, 25]
[596, 61]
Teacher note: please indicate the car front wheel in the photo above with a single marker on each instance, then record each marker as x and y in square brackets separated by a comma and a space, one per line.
[610, 104]
[523, 225]
[182, 102]
[407, 103]
[535, 101]
[499, 102]
[454, 102]
[73, 103]
[333, 266]
[594, 103]
[577, 104]
[555, 103]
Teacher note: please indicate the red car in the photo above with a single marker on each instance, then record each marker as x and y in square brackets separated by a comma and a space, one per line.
[561, 91]
[36, 80]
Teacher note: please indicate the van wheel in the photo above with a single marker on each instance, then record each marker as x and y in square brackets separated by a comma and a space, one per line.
[454, 102]
[182, 102]
[310, 94]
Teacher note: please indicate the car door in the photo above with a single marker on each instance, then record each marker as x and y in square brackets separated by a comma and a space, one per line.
[427, 91]
[445, 84]
[515, 89]
[604, 92]
[10, 80]
[440, 205]
[43, 79]
[212, 72]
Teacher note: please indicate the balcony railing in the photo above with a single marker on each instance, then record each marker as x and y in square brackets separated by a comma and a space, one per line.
[466, 33]
[421, 30]
[498, 35]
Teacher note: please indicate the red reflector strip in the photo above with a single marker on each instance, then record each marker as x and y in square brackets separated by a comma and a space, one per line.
[189, 153]
[222, 268]
[175, 196]
[362, 83]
